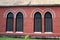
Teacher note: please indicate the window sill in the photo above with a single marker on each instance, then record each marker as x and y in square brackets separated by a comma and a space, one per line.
[9, 32]
[37, 32]
[48, 32]
[19, 32]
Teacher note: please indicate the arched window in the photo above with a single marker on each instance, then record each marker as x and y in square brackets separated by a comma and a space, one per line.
[37, 22]
[19, 22]
[9, 21]
[48, 22]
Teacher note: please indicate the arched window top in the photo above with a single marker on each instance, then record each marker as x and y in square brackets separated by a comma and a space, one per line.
[19, 15]
[10, 15]
[37, 15]
[48, 15]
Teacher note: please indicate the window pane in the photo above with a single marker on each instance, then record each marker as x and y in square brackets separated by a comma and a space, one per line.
[48, 22]
[19, 22]
[37, 22]
[9, 24]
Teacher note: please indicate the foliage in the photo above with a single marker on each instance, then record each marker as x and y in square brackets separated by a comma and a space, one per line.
[26, 37]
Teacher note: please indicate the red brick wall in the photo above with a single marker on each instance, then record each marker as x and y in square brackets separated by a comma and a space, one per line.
[29, 19]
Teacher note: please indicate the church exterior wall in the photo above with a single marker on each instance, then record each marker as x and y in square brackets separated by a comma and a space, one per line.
[28, 14]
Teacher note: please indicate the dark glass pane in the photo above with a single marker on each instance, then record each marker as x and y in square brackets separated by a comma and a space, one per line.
[19, 22]
[37, 15]
[37, 22]
[9, 24]
[19, 15]
[10, 15]
[48, 15]
[48, 22]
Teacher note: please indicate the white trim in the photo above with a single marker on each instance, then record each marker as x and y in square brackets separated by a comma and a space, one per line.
[48, 32]
[37, 32]
[7, 11]
[20, 10]
[51, 11]
[19, 32]
[9, 32]
[36, 10]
